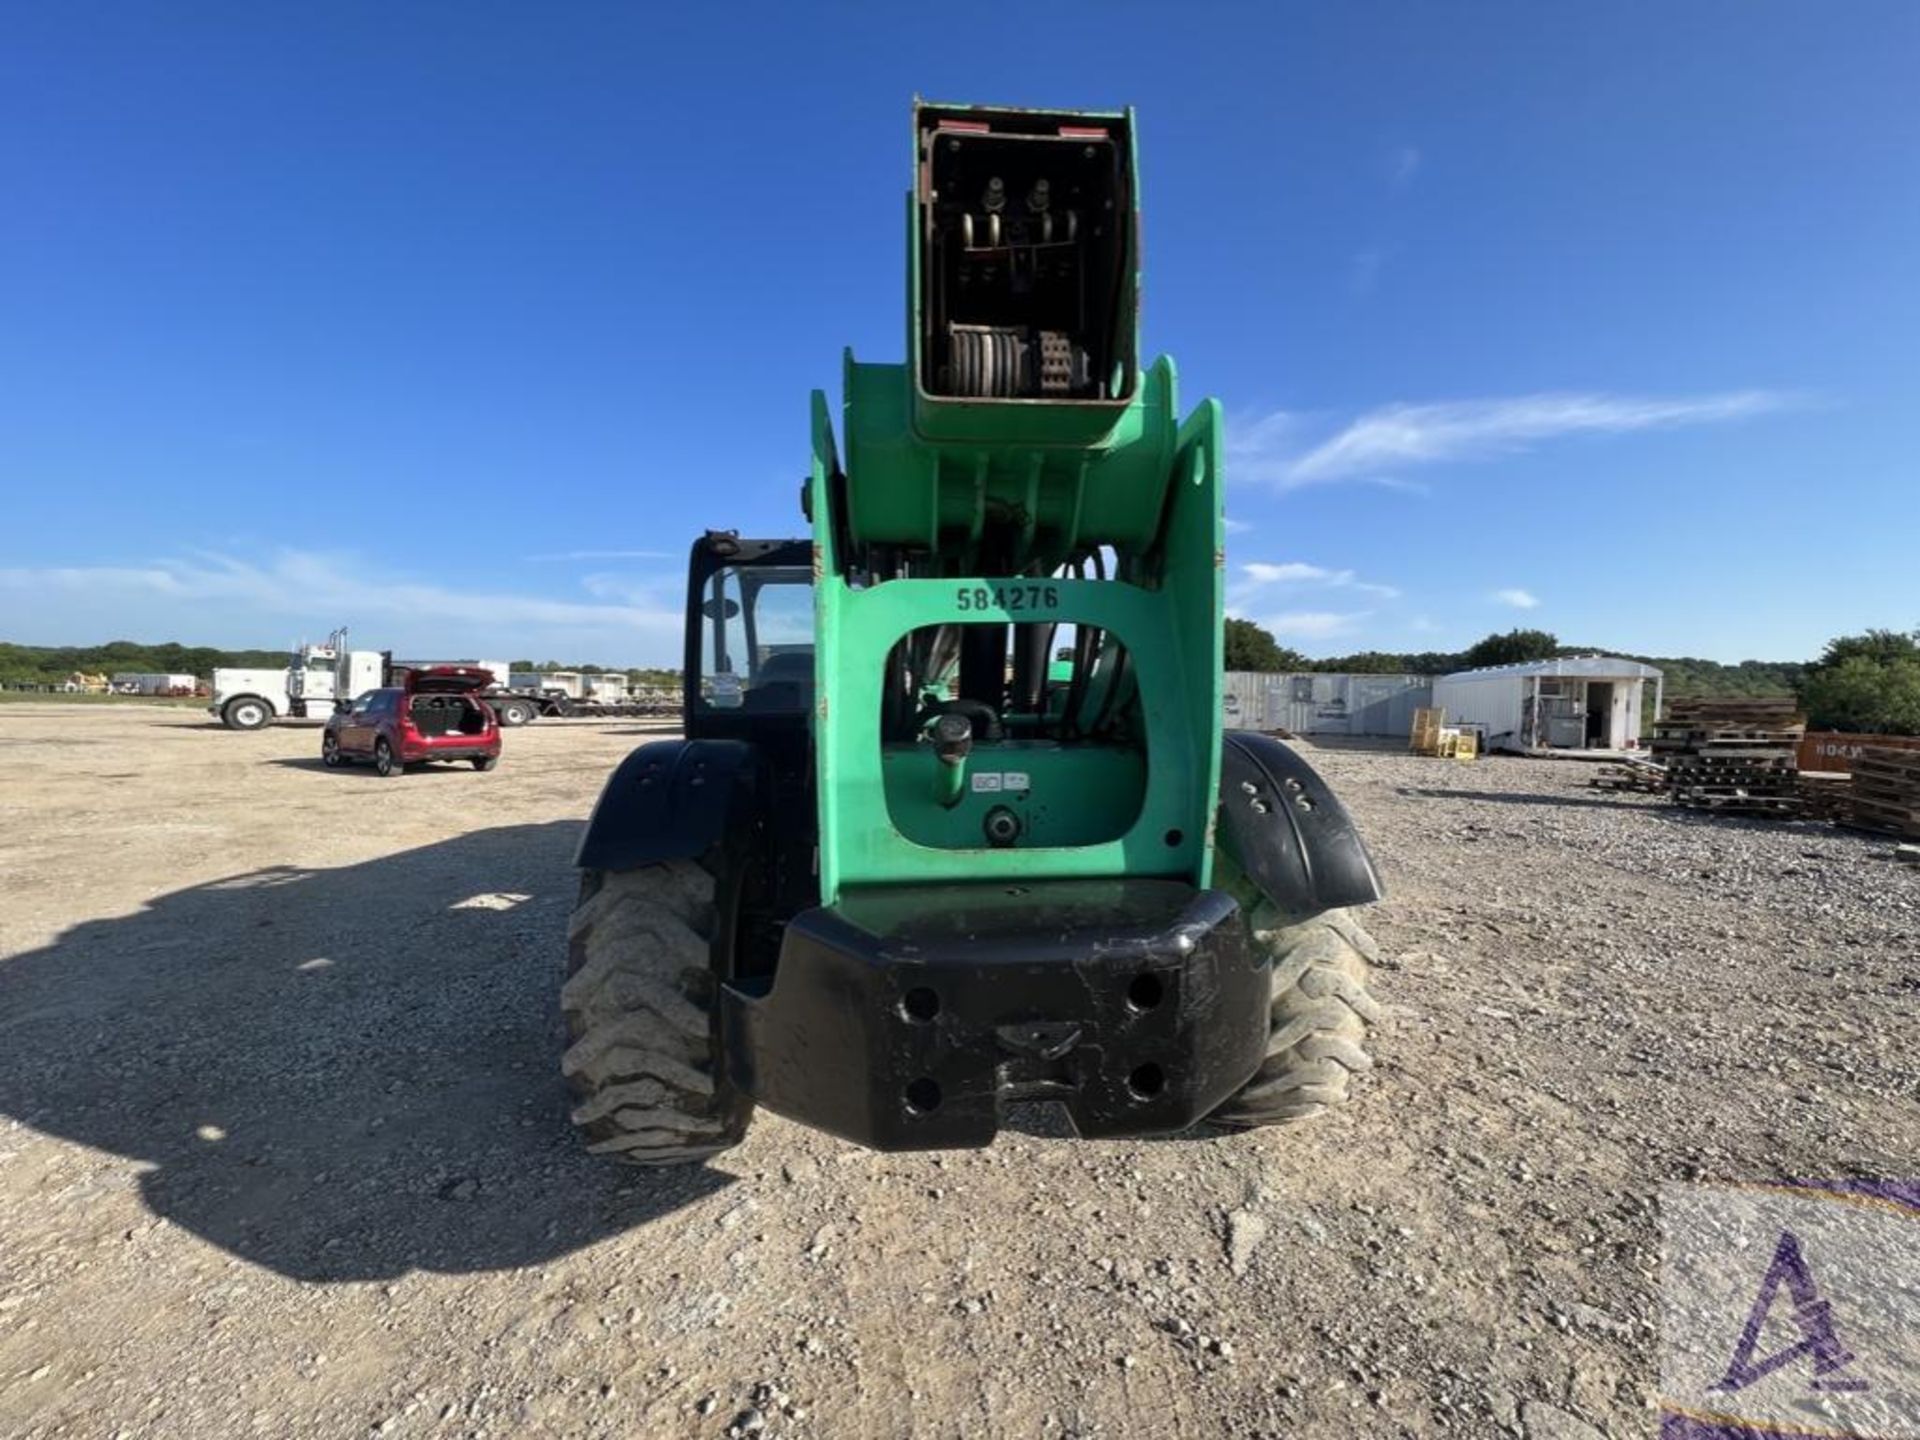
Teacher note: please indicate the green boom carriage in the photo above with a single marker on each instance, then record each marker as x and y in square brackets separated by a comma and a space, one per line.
[1029, 481]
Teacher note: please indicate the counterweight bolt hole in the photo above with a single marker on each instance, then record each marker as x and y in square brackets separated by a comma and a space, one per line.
[923, 1096]
[1147, 1081]
[1145, 992]
[920, 1005]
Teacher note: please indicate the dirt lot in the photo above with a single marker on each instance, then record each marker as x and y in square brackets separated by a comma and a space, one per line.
[283, 1149]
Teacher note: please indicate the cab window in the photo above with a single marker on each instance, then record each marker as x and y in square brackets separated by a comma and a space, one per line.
[756, 638]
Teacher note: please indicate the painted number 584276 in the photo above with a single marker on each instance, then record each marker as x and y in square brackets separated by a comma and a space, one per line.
[1007, 597]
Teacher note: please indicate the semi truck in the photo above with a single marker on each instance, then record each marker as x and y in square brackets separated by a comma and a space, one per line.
[317, 676]
[305, 689]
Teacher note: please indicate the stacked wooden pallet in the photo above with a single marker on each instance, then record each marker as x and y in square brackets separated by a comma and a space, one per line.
[1825, 796]
[1736, 755]
[1886, 791]
[1638, 775]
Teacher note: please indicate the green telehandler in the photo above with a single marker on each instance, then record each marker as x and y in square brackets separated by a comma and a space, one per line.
[953, 823]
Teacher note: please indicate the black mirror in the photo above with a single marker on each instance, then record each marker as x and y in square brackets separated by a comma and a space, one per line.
[720, 609]
[340, 707]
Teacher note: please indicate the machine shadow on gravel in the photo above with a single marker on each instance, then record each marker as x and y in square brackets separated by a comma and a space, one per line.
[338, 1074]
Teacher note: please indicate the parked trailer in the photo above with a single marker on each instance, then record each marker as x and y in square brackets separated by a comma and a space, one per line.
[643, 703]
[577, 695]
[128, 683]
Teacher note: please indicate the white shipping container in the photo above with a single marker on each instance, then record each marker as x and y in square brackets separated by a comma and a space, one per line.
[1312, 703]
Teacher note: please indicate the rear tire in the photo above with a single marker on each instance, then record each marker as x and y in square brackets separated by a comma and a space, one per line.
[1320, 1016]
[638, 1001]
[246, 713]
[514, 712]
[385, 761]
[485, 762]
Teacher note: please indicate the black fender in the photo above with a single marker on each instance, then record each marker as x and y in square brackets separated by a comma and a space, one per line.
[668, 800]
[1287, 832]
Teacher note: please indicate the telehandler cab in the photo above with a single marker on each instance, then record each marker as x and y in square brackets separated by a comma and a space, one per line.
[899, 873]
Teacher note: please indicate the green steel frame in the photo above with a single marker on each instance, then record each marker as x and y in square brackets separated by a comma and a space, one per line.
[931, 476]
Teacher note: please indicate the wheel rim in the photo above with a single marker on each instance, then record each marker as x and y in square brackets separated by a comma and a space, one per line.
[248, 715]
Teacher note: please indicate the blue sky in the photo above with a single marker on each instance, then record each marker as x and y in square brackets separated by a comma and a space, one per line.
[454, 323]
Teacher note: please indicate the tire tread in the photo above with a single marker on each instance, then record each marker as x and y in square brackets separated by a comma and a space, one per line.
[641, 1058]
[1321, 1014]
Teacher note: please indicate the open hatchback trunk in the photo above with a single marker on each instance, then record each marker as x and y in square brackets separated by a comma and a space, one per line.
[444, 700]
[435, 714]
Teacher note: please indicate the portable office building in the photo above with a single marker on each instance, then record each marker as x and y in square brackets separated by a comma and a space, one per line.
[1578, 703]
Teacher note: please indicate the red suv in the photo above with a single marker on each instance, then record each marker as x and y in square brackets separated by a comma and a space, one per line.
[435, 714]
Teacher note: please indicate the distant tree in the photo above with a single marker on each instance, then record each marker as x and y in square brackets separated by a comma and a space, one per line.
[1252, 647]
[1431, 662]
[1879, 646]
[1867, 684]
[1365, 662]
[1513, 648]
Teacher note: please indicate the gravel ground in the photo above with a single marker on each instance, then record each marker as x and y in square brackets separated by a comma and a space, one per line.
[283, 1149]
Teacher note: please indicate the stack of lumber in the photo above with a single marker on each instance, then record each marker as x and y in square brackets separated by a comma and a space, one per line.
[1641, 775]
[1826, 796]
[1736, 755]
[1886, 791]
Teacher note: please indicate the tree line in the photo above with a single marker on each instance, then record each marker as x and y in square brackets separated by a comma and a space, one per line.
[52, 664]
[1863, 684]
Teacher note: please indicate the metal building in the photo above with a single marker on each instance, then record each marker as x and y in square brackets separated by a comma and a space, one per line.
[1581, 702]
[1315, 704]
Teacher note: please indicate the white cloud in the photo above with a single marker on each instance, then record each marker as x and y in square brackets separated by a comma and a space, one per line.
[1236, 527]
[1403, 165]
[1517, 598]
[1282, 574]
[1260, 574]
[1374, 447]
[221, 600]
[1314, 624]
